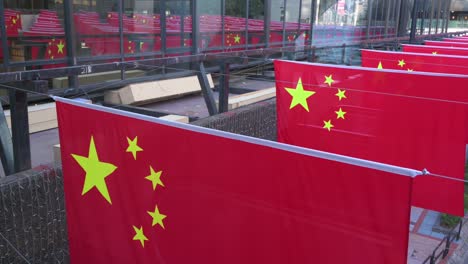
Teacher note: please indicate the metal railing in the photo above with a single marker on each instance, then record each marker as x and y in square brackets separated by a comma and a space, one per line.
[442, 250]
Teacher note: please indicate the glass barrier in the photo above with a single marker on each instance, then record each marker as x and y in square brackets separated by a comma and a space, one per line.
[35, 31]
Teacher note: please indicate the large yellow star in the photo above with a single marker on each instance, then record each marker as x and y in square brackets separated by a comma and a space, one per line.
[133, 146]
[380, 67]
[157, 217]
[60, 47]
[329, 80]
[341, 94]
[139, 235]
[299, 96]
[340, 114]
[401, 63]
[328, 125]
[155, 178]
[96, 171]
[237, 39]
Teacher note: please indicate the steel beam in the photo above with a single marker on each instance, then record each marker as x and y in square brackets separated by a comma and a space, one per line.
[414, 21]
[206, 90]
[20, 130]
[267, 21]
[121, 37]
[70, 39]
[447, 15]
[224, 87]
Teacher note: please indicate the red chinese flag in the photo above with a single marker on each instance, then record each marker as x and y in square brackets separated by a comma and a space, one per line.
[414, 61]
[143, 190]
[446, 44]
[381, 116]
[435, 50]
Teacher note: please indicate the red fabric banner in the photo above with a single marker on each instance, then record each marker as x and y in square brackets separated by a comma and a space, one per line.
[456, 40]
[378, 115]
[415, 61]
[435, 50]
[139, 190]
[446, 44]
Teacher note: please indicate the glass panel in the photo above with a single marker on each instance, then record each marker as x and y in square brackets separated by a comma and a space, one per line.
[210, 25]
[256, 34]
[278, 14]
[235, 24]
[35, 32]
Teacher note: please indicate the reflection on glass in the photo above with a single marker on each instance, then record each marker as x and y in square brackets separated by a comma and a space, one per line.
[35, 33]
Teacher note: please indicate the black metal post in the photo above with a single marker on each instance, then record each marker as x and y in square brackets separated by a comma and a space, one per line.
[398, 17]
[414, 22]
[313, 8]
[284, 24]
[20, 130]
[121, 36]
[162, 22]
[206, 90]
[70, 39]
[387, 18]
[422, 17]
[267, 22]
[223, 30]
[246, 33]
[369, 18]
[224, 87]
[438, 16]
[447, 15]
[194, 6]
[431, 16]
[6, 52]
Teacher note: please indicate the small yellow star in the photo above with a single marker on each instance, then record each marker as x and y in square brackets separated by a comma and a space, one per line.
[157, 217]
[328, 125]
[329, 80]
[155, 178]
[133, 147]
[299, 96]
[341, 94]
[380, 67]
[410, 70]
[52, 57]
[139, 235]
[340, 114]
[60, 47]
[401, 63]
[96, 171]
[13, 20]
[434, 53]
[237, 39]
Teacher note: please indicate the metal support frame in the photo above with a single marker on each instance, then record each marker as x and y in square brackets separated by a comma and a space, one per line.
[422, 27]
[398, 17]
[369, 18]
[387, 17]
[246, 33]
[267, 21]
[447, 15]
[223, 100]
[20, 130]
[121, 36]
[431, 16]
[439, 6]
[311, 53]
[70, 39]
[414, 21]
[206, 90]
